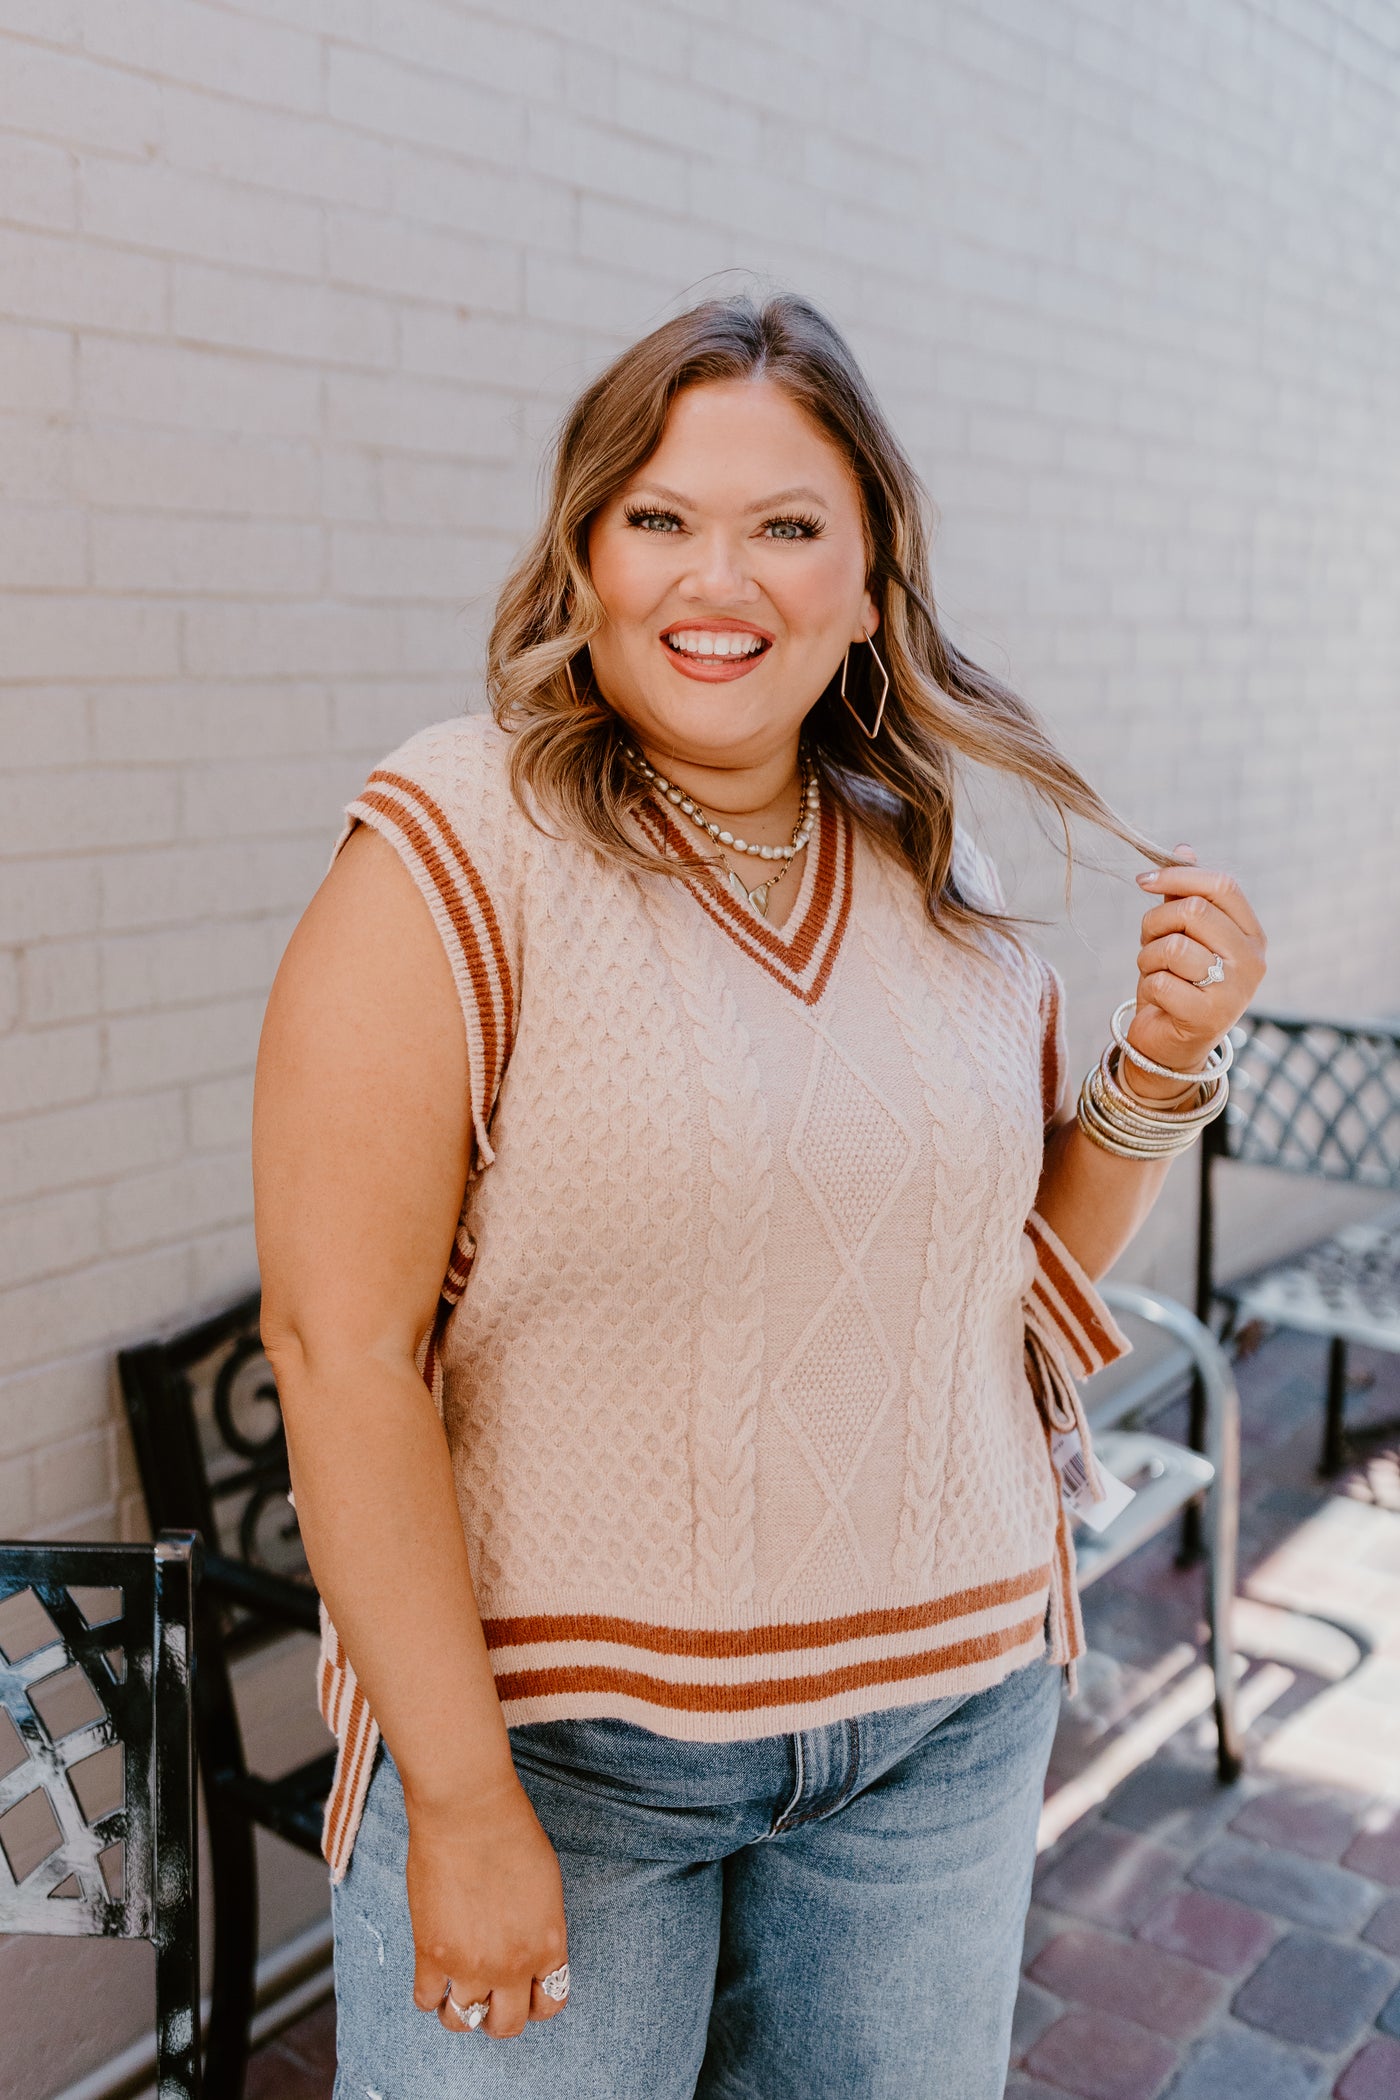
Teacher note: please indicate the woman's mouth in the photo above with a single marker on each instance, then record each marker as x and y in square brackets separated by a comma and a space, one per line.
[715, 654]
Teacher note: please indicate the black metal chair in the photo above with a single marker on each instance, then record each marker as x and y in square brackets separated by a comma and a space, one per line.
[1318, 1098]
[212, 1456]
[97, 1755]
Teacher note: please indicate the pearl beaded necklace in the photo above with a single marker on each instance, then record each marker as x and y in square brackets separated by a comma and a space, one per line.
[806, 824]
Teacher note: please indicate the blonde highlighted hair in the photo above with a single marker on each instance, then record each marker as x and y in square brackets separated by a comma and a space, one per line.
[567, 756]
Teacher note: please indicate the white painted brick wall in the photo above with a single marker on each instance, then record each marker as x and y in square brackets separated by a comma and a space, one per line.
[291, 292]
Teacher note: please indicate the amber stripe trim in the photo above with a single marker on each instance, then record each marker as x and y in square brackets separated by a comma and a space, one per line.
[776, 1639]
[795, 950]
[438, 816]
[1061, 1281]
[490, 979]
[761, 944]
[574, 1679]
[486, 989]
[360, 1736]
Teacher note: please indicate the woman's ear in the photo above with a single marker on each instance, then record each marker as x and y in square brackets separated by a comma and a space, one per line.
[869, 619]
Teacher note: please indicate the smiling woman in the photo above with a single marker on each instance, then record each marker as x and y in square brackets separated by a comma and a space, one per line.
[677, 1283]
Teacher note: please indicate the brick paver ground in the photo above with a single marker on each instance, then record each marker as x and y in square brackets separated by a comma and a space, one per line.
[1273, 1901]
[1188, 1942]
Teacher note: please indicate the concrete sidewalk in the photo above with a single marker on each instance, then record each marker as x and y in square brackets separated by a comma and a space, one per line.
[1189, 1942]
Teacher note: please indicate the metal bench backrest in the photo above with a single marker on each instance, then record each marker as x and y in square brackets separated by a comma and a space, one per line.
[1313, 1097]
[97, 1753]
[210, 1445]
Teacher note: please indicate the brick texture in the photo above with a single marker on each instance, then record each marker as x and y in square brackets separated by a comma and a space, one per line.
[1236, 2064]
[1158, 1990]
[1101, 2057]
[1317, 1992]
[1212, 1930]
[1372, 2074]
[290, 296]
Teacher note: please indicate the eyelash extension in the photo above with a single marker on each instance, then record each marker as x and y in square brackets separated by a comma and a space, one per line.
[812, 526]
[635, 512]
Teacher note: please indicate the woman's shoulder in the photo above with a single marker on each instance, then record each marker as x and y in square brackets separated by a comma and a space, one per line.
[460, 762]
[451, 780]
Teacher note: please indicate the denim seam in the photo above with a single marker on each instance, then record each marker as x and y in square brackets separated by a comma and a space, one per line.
[786, 1816]
[824, 1805]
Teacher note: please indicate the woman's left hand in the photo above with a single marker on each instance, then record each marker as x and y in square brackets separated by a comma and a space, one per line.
[1204, 914]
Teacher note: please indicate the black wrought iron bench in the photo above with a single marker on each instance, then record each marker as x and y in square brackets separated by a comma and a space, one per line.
[1322, 1099]
[212, 1456]
[97, 1765]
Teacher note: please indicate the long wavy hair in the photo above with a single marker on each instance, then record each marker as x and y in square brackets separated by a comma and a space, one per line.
[568, 765]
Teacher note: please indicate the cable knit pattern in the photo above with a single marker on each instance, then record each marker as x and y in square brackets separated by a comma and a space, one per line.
[729, 1373]
[960, 1197]
[749, 1343]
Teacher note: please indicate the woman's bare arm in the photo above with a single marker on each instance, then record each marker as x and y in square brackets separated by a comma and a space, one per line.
[1090, 1198]
[361, 1150]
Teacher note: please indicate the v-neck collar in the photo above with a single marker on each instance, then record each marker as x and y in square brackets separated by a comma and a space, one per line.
[801, 953]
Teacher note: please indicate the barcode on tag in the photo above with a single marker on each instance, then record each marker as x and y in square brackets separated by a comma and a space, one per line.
[1074, 1479]
[1075, 1492]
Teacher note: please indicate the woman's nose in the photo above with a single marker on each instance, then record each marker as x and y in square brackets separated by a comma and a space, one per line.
[718, 572]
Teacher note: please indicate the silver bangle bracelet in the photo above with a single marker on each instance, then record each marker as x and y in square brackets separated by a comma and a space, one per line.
[1152, 1115]
[1116, 1122]
[1216, 1065]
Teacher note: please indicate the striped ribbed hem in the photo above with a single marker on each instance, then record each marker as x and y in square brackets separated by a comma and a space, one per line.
[717, 1684]
[709, 1684]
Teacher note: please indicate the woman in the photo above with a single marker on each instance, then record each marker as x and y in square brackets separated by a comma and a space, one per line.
[674, 1299]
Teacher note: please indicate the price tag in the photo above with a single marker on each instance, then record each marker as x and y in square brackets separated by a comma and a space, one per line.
[1067, 1453]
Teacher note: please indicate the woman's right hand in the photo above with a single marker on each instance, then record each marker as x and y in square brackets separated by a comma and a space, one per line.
[487, 1904]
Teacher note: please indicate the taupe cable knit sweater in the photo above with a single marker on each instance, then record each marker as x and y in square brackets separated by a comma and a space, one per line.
[750, 1340]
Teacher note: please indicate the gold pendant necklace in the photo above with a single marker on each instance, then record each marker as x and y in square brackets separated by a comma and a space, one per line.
[757, 898]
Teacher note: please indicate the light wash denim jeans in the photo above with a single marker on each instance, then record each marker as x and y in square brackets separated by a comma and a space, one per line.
[835, 1915]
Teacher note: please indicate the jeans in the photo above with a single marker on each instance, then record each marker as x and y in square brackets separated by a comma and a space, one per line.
[837, 1913]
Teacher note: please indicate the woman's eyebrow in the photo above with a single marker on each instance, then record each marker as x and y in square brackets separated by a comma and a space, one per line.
[801, 493]
[808, 495]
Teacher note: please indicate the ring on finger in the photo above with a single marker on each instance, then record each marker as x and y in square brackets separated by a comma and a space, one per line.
[556, 1984]
[470, 2015]
[1214, 975]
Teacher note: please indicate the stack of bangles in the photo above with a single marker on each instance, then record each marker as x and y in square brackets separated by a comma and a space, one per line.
[1119, 1121]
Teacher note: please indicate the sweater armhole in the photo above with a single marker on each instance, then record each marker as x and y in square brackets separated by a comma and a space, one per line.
[407, 817]
[1054, 1046]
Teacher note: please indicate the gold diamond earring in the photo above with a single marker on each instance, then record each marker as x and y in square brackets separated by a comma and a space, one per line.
[885, 693]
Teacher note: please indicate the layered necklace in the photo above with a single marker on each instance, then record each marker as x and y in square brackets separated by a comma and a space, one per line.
[808, 812]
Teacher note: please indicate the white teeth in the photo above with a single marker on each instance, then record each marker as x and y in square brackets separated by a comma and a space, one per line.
[709, 642]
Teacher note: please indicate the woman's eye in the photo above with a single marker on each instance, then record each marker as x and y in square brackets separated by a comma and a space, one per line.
[792, 528]
[654, 520]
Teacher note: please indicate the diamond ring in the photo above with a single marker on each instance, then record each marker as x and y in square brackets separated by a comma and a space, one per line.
[1214, 975]
[470, 2015]
[556, 1984]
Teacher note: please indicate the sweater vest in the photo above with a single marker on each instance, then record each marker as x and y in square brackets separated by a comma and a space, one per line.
[751, 1343]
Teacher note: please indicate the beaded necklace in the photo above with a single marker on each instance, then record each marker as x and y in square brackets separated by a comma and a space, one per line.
[757, 899]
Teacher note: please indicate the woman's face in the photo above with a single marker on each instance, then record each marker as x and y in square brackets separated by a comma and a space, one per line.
[732, 571]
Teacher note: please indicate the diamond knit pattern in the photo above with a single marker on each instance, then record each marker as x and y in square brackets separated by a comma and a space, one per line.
[735, 1386]
[609, 1123]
